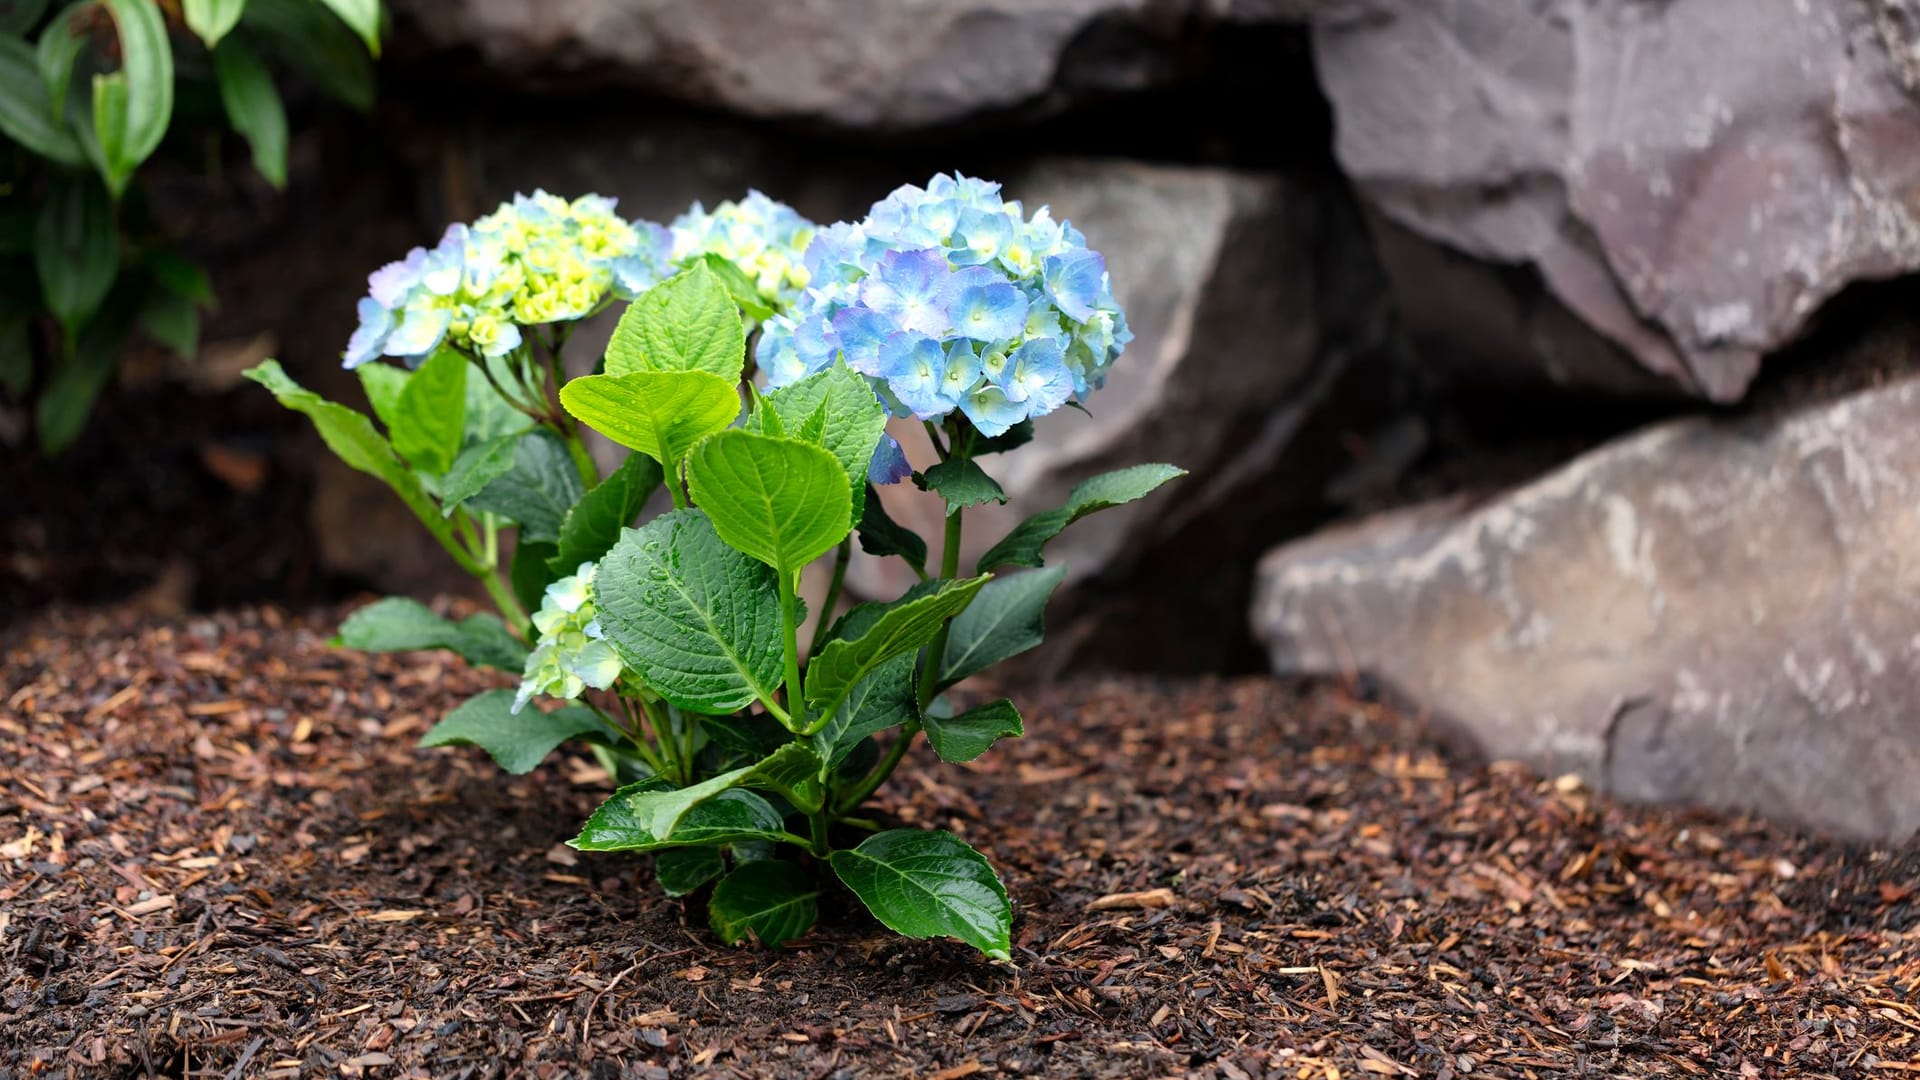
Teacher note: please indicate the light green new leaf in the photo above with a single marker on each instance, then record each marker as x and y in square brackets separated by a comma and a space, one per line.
[595, 522]
[253, 107]
[397, 624]
[211, 19]
[27, 113]
[382, 383]
[1023, 545]
[686, 323]
[623, 822]
[538, 490]
[659, 413]
[783, 502]
[773, 900]
[430, 415]
[967, 736]
[76, 249]
[682, 870]
[1005, 620]
[59, 48]
[900, 628]
[962, 483]
[851, 418]
[739, 286]
[362, 17]
[518, 742]
[351, 436]
[132, 107]
[930, 884]
[698, 621]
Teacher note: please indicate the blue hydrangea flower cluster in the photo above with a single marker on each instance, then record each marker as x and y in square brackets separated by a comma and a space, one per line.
[764, 238]
[572, 654]
[538, 259]
[949, 297]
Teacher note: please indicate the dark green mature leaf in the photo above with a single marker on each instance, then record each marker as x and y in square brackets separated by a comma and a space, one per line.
[532, 571]
[172, 321]
[27, 113]
[1005, 620]
[962, 483]
[903, 628]
[595, 522]
[430, 416]
[659, 812]
[887, 698]
[783, 502]
[682, 870]
[488, 414]
[397, 624]
[477, 466]
[362, 17]
[1013, 438]
[930, 884]
[253, 105]
[731, 816]
[315, 44]
[1022, 546]
[518, 742]
[967, 736]
[698, 621]
[851, 420]
[212, 19]
[537, 492]
[180, 276]
[76, 249]
[775, 901]
[792, 772]
[751, 736]
[18, 16]
[686, 323]
[61, 411]
[132, 107]
[662, 414]
[881, 536]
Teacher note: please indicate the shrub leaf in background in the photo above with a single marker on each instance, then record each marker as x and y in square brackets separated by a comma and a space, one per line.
[253, 107]
[27, 113]
[132, 107]
[76, 250]
[212, 19]
[398, 624]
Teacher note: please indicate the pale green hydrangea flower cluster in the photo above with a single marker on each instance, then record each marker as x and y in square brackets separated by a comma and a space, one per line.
[572, 654]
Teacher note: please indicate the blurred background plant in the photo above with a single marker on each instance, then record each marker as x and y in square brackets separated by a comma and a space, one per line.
[89, 91]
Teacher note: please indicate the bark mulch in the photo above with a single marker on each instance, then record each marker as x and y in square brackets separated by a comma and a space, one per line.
[221, 856]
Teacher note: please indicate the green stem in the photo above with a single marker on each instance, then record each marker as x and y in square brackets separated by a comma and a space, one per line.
[934, 660]
[878, 776]
[663, 734]
[840, 560]
[818, 823]
[509, 604]
[581, 459]
[933, 436]
[634, 736]
[675, 488]
[790, 645]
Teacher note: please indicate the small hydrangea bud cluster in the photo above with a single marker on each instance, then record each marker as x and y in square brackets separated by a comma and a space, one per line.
[572, 654]
[949, 297]
[762, 237]
[538, 259]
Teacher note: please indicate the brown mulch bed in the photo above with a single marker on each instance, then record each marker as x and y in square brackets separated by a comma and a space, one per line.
[221, 856]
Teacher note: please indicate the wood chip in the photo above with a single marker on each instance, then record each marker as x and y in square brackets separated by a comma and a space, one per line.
[1152, 898]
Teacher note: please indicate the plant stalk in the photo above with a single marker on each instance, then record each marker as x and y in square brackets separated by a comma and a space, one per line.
[795, 719]
[840, 560]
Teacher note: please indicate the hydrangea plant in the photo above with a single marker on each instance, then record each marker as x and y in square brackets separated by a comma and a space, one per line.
[674, 648]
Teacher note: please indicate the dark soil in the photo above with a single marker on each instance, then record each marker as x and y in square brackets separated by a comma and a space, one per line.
[221, 856]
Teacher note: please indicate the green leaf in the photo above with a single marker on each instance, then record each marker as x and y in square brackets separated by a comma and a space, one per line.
[18, 16]
[658, 812]
[887, 698]
[595, 522]
[173, 321]
[659, 413]
[967, 736]
[76, 250]
[27, 113]
[516, 741]
[397, 624]
[682, 870]
[430, 416]
[315, 44]
[180, 276]
[783, 502]
[362, 17]
[132, 107]
[930, 884]
[78, 378]
[253, 106]
[59, 48]
[532, 571]
[686, 323]
[382, 383]
[477, 466]
[739, 286]
[211, 19]
[901, 628]
[1022, 546]
[488, 414]
[698, 621]
[537, 492]
[961, 483]
[751, 736]
[1005, 620]
[729, 816]
[1013, 438]
[851, 417]
[881, 536]
[792, 772]
[773, 900]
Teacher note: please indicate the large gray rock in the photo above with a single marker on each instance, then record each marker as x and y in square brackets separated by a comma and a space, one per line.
[861, 63]
[1246, 295]
[1691, 178]
[1717, 613]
